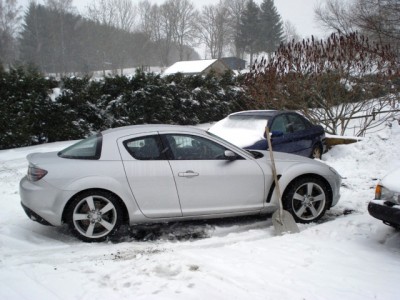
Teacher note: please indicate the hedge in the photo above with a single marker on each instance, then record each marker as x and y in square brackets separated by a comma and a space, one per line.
[36, 109]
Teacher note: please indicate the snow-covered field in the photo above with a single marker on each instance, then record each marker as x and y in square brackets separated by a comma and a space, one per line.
[348, 255]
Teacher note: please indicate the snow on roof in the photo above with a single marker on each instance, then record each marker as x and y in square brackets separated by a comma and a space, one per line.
[189, 67]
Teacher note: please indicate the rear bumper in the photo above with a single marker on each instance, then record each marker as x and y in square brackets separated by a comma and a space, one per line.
[42, 202]
[382, 211]
[34, 216]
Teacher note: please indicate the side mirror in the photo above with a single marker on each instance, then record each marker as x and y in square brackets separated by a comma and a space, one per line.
[276, 133]
[230, 155]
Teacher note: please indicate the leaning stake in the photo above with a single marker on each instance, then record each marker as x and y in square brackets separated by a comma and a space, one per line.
[282, 219]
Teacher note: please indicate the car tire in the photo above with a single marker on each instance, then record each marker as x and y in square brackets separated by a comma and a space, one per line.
[95, 215]
[316, 152]
[307, 199]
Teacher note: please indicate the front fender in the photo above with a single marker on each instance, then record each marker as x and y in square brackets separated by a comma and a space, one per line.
[298, 170]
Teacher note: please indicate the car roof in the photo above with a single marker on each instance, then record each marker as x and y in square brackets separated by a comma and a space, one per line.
[108, 153]
[266, 113]
[133, 129]
[256, 114]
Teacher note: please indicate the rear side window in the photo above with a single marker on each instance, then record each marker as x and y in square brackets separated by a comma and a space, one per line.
[89, 148]
[145, 148]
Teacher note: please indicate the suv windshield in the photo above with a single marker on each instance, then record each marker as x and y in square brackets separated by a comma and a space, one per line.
[89, 148]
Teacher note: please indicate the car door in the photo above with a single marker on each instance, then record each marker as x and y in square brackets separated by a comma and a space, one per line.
[149, 175]
[301, 135]
[207, 182]
[294, 135]
[282, 139]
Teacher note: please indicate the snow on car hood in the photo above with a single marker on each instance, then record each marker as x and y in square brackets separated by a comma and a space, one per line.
[392, 181]
[241, 133]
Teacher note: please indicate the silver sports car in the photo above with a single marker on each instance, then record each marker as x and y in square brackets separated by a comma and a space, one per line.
[158, 173]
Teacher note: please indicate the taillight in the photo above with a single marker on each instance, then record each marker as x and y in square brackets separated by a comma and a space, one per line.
[378, 192]
[35, 173]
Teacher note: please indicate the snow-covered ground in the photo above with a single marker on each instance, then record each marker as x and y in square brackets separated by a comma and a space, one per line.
[348, 255]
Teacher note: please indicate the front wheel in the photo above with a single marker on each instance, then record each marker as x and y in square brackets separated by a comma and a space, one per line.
[306, 199]
[94, 215]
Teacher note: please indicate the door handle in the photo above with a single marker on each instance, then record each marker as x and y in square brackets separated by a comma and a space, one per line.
[188, 174]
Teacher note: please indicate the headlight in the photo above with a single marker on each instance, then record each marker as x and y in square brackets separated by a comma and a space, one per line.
[382, 193]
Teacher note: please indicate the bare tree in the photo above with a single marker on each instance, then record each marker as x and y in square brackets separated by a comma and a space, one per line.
[10, 20]
[335, 15]
[163, 18]
[377, 19]
[102, 11]
[183, 19]
[290, 32]
[118, 13]
[126, 14]
[215, 28]
[146, 18]
[331, 81]
[60, 5]
[236, 8]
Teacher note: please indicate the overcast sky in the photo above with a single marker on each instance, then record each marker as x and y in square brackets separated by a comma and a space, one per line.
[298, 12]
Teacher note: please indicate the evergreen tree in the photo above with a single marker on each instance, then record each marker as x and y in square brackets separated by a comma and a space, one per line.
[32, 37]
[249, 30]
[62, 43]
[271, 27]
[25, 107]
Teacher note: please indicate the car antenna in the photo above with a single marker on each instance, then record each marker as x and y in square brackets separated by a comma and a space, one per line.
[282, 219]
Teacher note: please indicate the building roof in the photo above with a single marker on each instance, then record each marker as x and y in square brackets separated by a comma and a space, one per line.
[189, 67]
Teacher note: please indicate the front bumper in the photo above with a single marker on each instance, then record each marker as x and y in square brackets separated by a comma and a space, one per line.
[385, 211]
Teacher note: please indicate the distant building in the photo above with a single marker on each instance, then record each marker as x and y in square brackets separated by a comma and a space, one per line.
[234, 63]
[197, 67]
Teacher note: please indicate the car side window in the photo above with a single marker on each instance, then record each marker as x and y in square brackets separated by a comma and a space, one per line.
[191, 147]
[89, 148]
[297, 123]
[280, 123]
[145, 148]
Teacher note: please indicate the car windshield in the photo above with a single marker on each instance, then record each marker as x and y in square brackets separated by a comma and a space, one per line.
[89, 148]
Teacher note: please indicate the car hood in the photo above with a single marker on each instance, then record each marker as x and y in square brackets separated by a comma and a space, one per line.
[285, 162]
[242, 134]
[391, 181]
[287, 157]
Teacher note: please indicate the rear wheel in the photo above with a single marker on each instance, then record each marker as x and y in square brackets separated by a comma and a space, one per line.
[94, 215]
[306, 199]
